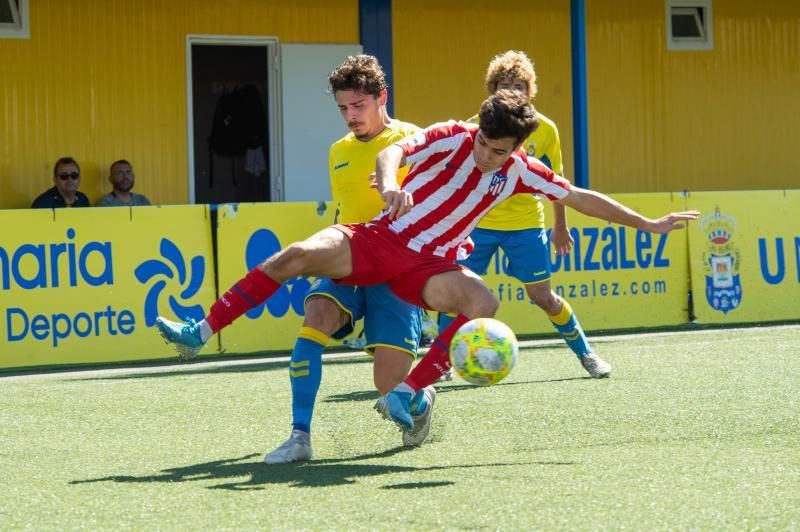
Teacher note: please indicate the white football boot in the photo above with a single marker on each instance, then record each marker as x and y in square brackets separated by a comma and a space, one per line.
[296, 449]
[596, 366]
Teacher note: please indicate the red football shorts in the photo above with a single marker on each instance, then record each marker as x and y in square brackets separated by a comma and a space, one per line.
[379, 256]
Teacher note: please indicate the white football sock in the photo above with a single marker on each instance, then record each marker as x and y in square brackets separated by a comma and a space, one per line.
[205, 331]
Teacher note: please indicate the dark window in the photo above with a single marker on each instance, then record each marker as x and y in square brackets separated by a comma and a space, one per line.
[11, 16]
[689, 25]
[9, 13]
[687, 22]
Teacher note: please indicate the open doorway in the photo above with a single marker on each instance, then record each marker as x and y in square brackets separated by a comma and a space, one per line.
[231, 97]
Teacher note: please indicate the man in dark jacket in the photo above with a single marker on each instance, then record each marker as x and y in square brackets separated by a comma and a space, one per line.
[67, 179]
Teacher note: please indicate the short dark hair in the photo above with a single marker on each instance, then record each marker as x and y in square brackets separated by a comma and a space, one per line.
[360, 73]
[508, 113]
[115, 163]
[65, 160]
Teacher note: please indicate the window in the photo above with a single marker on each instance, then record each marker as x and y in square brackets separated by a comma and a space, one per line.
[689, 25]
[14, 19]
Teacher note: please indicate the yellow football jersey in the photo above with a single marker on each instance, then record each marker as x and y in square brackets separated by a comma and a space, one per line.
[525, 211]
[351, 161]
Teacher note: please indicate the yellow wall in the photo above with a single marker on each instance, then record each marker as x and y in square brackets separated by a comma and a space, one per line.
[442, 49]
[102, 80]
[706, 120]
[658, 120]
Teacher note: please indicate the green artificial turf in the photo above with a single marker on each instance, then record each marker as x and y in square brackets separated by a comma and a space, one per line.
[693, 430]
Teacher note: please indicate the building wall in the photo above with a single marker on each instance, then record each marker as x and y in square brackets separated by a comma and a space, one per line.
[658, 120]
[103, 80]
[442, 49]
[703, 120]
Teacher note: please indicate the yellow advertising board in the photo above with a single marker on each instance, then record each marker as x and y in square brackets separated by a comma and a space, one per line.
[85, 285]
[745, 256]
[615, 278]
[248, 233]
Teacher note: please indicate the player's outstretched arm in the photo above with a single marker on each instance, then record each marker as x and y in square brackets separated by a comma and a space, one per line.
[389, 161]
[601, 206]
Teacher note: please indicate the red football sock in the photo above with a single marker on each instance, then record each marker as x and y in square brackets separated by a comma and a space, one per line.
[437, 361]
[249, 292]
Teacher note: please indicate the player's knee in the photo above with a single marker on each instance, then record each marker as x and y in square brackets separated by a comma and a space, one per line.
[483, 306]
[491, 307]
[323, 315]
[547, 300]
[287, 263]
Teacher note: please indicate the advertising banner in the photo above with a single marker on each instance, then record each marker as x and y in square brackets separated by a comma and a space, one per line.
[85, 285]
[745, 256]
[247, 234]
[616, 277]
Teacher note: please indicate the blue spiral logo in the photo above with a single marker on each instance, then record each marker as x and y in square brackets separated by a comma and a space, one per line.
[172, 267]
[292, 294]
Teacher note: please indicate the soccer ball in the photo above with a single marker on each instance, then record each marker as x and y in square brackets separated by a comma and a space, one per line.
[483, 351]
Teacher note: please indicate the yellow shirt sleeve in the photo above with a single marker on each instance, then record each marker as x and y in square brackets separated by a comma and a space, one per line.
[552, 150]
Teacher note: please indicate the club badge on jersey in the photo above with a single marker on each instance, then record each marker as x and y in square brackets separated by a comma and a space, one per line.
[498, 184]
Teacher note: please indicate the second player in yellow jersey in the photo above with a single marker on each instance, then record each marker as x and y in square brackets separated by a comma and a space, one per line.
[392, 327]
[350, 162]
[517, 225]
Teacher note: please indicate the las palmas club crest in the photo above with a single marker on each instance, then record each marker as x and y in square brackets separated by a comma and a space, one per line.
[721, 262]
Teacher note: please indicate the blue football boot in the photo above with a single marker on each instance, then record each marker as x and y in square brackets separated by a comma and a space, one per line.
[185, 336]
[396, 406]
[422, 414]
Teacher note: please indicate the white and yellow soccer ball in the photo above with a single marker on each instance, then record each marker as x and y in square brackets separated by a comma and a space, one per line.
[483, 351]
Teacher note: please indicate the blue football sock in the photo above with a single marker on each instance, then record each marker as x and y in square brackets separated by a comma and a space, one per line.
[566, 323]
[305, 374]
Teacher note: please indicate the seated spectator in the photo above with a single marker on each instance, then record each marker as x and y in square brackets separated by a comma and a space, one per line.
[121, 177]
[67, 178]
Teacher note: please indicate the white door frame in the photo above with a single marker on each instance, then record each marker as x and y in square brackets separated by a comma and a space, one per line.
[274, 122]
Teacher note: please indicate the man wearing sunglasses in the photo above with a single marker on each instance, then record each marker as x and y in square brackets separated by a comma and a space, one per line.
[67, 179]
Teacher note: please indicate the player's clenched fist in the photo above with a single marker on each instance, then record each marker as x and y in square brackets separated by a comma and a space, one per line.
[398, 202]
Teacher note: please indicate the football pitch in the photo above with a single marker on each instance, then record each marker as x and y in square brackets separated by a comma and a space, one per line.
[694, 430]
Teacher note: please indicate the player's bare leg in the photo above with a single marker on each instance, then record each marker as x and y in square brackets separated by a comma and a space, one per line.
[566, 323]
[323, 318]
[324, 254]
[391, 367]
[461, 292]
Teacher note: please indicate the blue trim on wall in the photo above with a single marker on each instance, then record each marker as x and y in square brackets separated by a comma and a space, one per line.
[580, 122]
[375, 30]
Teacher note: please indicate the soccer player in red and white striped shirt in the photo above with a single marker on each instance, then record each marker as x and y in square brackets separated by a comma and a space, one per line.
[459, 173]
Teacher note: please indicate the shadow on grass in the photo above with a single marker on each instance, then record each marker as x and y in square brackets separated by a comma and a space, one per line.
[246, 474]
[417, 485]
[455, 385]
[372, 395]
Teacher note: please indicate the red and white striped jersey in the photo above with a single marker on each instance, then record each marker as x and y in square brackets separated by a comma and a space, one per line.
[451, 195]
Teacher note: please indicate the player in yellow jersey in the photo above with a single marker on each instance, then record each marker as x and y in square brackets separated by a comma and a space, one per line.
[392, 326]
[517, 224]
